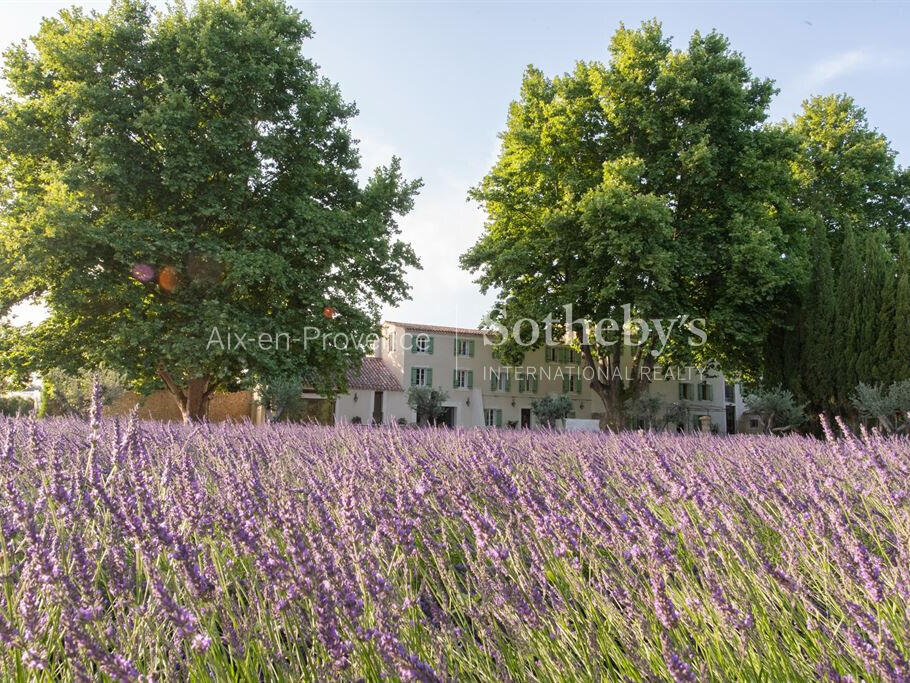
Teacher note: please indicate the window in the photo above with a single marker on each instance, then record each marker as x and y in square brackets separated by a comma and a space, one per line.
[729, 392]
[527, 382]
[571, 383]
[685, 391]
[422, 343]
[500, 380]
[753, 423]
[463, 379]
[561, 354]
[421, 377]
[705, 392]
[492, 417]
[464, 347]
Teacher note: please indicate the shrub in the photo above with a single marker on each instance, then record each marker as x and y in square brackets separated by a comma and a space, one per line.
[777, 408]
[550, 409]
[889, 407]
[427, 403]
[16, 405]
[71, 394]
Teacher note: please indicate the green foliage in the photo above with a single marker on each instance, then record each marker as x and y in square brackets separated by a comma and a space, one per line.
[12, 406]
[653, 181]
[890, 407]
[202, 142]
[550, 409]
[847, 178]
[777, 408]
[846, 343]
[281, 397]
[71, 394]
[427, 402]
[900, 351]
[646, 408]
[846, 171]
[820, 311]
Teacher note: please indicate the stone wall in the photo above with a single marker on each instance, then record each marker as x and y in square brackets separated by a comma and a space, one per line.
[160, 405]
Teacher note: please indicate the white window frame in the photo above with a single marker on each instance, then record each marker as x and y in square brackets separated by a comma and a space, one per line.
[501, 378]
[489, 417]
[420, 377]
[464, 347]
[462, 376]
[421, 343]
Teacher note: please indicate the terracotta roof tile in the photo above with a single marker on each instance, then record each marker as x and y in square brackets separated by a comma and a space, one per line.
[374, 375]
[440, 329]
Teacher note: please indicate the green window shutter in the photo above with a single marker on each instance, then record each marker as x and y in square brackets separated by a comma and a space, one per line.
[471, 348]
[565, 384]
[413, 376]
[682, 391]
[454, 379]
[470, 379]
[429, 372]
[577, 384]
[521, 385]
[413, 343]
[492, 381]
[498, 418]
[430, 345]
[508, 383]
[535, 383]
[710, 392]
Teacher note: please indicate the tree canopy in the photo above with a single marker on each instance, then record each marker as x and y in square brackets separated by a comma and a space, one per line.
[169, 174]
[654, 181]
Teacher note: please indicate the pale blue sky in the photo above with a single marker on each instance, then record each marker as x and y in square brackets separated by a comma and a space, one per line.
[433, 82]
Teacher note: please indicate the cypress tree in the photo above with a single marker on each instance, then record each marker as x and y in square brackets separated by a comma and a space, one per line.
[847, 337]
[820, 309]
[884, 346]
[875, 258]
[900, 359]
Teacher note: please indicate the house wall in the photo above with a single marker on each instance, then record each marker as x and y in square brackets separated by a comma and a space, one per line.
[395, 406]
[399, 357]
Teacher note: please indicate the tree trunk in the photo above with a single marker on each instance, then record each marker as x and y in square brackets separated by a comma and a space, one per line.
[611, 386]
[192, 401]
[613, 417]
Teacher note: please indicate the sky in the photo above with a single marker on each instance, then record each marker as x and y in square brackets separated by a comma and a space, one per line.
[433, 81]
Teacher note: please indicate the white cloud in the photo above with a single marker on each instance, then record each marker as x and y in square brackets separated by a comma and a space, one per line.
[850, 62]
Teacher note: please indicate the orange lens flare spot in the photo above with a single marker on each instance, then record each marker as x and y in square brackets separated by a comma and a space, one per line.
[328, 312]
[167, 279]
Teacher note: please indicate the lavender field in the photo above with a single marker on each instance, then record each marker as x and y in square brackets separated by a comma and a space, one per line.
[303, 553]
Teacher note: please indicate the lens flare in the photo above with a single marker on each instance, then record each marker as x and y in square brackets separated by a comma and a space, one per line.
[143, 272]
[167, 279]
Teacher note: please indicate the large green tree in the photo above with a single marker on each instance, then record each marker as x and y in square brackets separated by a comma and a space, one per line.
[846, 172]
[847, 178]
[167, 176]
[846, 343]
[819, 314]
[900, 332]
[651, 181]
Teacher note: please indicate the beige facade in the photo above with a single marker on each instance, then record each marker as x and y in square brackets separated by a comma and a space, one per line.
[483, 392]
